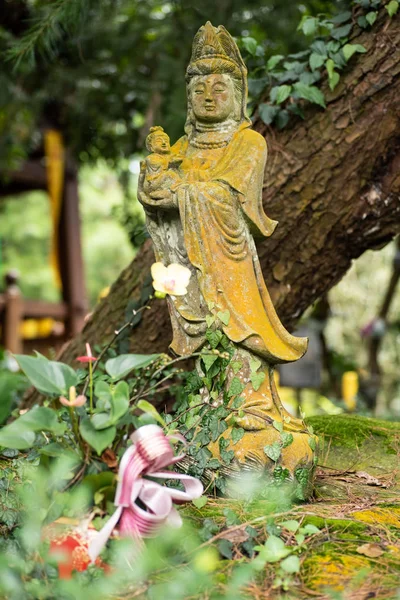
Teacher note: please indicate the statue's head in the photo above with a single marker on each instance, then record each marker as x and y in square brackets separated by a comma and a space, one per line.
[216, 79]
[157, 140]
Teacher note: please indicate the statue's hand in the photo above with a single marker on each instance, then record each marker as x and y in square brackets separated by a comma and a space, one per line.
[161, 195]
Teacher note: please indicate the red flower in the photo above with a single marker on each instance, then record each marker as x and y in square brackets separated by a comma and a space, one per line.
[69, 547]
[88, 357]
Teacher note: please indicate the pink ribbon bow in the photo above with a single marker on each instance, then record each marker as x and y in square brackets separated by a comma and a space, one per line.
[150, 451]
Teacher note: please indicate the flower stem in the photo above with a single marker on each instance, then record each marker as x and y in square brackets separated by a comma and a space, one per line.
[91, 387]
[74, 422]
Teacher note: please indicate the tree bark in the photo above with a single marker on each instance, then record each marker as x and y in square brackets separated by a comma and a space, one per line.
[333, 182]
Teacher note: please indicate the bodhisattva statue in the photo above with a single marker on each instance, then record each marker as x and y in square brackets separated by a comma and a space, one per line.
[203, 201]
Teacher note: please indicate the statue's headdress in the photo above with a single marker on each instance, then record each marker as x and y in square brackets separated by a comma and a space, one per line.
[215, 51]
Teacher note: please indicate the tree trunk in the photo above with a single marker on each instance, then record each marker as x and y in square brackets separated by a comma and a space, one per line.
[333, 182]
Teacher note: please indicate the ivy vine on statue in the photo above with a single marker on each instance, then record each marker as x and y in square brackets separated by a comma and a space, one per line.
[203, 202]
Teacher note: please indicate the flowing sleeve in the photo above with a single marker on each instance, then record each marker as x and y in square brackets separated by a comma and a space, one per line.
[244, 172]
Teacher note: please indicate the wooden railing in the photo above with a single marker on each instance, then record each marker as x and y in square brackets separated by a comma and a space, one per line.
[15, 310]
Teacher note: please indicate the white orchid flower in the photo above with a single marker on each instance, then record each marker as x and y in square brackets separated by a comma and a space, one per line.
[172, 280]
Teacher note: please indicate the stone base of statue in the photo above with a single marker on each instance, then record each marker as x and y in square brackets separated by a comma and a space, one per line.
[274, 441]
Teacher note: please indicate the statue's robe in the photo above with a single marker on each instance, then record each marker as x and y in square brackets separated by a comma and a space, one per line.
[220, 209]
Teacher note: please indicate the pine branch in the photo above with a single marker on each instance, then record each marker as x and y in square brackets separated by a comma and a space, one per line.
[46, 31]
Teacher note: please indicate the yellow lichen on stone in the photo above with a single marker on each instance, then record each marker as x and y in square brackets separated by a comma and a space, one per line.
[334, 572]
[389, 517]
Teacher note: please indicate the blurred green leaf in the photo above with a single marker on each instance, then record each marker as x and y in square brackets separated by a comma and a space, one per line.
[148, 408]
[97, 439]
[47, 376]
[20, 434]
[122, 365]
[280, 93]
[350, 49]
[392, 7]
[310, 93]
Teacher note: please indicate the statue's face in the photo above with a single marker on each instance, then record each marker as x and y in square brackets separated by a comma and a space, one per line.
[212, 97]
[160, 143]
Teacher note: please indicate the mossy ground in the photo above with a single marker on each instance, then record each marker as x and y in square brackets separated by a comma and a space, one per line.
[356, 506]
[355, 555]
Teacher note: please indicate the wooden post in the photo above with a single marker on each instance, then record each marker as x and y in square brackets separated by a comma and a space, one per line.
[13, 314]
[70, 256]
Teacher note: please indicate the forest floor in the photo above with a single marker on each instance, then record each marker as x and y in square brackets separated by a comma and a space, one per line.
[355, 555]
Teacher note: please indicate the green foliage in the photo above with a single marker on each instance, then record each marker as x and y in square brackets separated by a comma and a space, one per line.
[47, 376]
[21, 434]
[26, 243]
[120, 366]
[99, 439]
[292, 82]
[99, 424]
[98, 67]
[392, 7]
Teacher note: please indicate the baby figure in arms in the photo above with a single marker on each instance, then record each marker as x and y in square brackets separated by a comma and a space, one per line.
[159, 167]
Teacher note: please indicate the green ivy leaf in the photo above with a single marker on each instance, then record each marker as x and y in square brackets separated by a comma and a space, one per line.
[237, 403]
[208, 360]
[291, 564]
[213, 464]
[237, 434]
[97, 439]
[278, 425]
[290, 525]
[341, 32]
[273, 61]
[47, 376]
[236, 366]
[273, 451]
[250, 44]
[350, 49]
[254, 364]
[280, 93]
[312, 443]
[332, 74]
[310, 529]
[282, 119]
[316, 61]
[371, 17]
[148, 408]
[274, 549]
[236, 387]
[210, 320]
[310, 93]
[268, 112]
[308, 25]
[225, 548]
[362, 22]
[286, 439]
[392, 7]
[120, 366]
[200, 502]
[224, 316]
[342, 17]
[214, 338]
[257, 380]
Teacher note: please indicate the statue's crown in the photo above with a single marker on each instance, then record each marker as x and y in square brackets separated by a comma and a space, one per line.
[216, 43]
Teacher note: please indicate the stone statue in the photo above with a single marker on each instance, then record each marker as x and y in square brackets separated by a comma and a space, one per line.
[203, 201]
